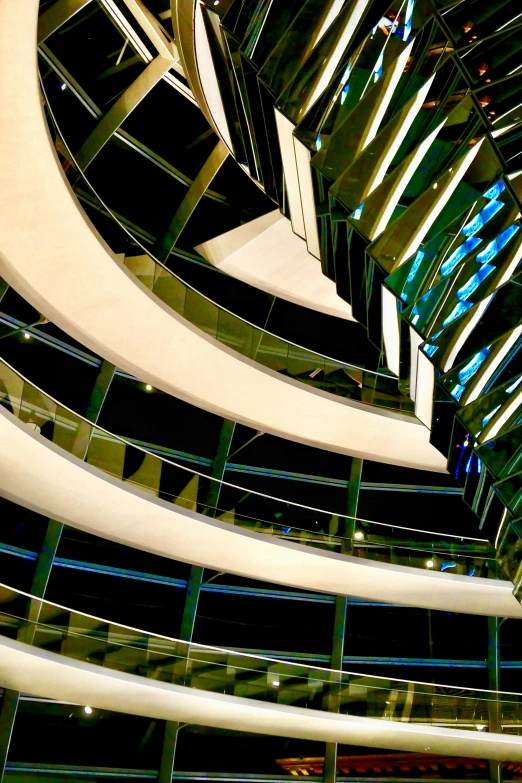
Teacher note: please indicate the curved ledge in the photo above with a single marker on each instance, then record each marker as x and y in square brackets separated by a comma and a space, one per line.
[50, 675]
[267, 254]
[52, 256]
[45, 478]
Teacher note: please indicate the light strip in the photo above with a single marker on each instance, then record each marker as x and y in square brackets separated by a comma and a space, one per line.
[415, 343]
[506, 24]
[390, 330]
[391, 80]
[504, 515]
[490, 367]
[424, 389]
[445, 194]
[333, 13]
[335, 57]
[180, 87]
[407, 121]
[401, 184]
[506, 113]
[496, 133]
[465, 333]
[504, 414]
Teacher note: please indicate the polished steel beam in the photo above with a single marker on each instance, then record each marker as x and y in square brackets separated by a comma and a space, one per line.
[57, 15]
[155, 32]
[192, 198]
[123, 107]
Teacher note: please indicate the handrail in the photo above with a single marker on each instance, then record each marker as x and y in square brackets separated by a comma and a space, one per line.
[402, 404]
[329, 672]
[81, 439]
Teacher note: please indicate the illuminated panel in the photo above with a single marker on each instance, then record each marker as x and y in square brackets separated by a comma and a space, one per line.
[390, 330]
[306, 188]
[285, 131]
[424, 389]
[446, 193]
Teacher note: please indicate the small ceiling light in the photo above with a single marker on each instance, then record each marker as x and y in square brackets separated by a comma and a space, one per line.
[276, 683]
[148, 387]
[216, 2]
[430, 564]
[387, 702]
[87, 710]
[358, 535]
[435, 186]
[27, 336]
[480, 727]
[63, 86]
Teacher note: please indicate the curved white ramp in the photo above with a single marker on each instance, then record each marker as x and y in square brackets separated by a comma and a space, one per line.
[50, 675]
[51, 255]
[39, 475]
[268, 255]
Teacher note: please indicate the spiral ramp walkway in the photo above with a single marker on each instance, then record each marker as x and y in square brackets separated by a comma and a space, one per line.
[225, 690]
[160, 348]
[400, 166]
[75, 280]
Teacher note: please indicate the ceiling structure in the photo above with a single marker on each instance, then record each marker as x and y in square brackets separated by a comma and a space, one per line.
[259, 324]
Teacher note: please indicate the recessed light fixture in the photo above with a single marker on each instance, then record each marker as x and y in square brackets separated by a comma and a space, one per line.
[480, 727]
[358, 535]
[276, 683]
[87, 710]
[148, 387]
[27, 336]
[430, 564]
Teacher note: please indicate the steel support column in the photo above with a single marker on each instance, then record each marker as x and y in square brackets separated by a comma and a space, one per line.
[7, 716]
[494, 706]
[341, 603]
[192, 198]
[100, 390]
[48, 552]
[330, 753]
[195, 581]
[354, 487]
